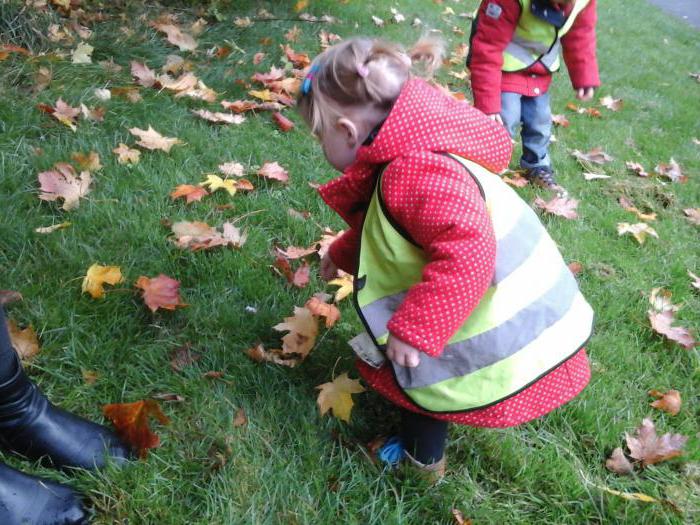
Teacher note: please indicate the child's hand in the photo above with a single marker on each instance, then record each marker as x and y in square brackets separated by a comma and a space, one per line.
[329, 270]
[585, 94]
[496, 117]
[402, 353]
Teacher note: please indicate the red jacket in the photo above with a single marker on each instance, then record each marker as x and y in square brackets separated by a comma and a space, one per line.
[491, 36]
[439, 205]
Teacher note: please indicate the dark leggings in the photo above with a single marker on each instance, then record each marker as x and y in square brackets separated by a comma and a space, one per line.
[423, 436]
[8, 365]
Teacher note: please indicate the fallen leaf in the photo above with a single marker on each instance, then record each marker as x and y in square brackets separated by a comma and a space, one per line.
[130, 93]
[282, 122]
[97, 276]
[131, 423]
[302, 328]
[628, 206]
[82, 54]
[517, 180]
[232, 169]
[103, 94]
[151, 139]
[143, 75]
[177, 37]
[24, 341]
[345, 281]
[160, 292]
[596, 156]
[693, 215]
[696, 280]
[189, 192]
[637, 168]
[377, 21]
[218, 117]
[241, 106]
[202, 92]
[300, 5]
[321, 308]
[42, 79]
[65, 114]
[300, 279]
[257, 58]
[337, 396]
[126, 155]
[631, 496]
[242, 22]
[90, 376]
[562, 206]
[184, 82]
[260, 354]
[87, 162]
[169, 396]
[618, 463]
[61, 183]
[575, 267]
[293, 34]
[639, 230]
[197, 236]
[182, 357]
[560, 120]
[240, 419]
[660, 300]
[662, 323]
[300, 60]
[328, 39]
[214, 182]
[613, 104]
[459, 518]
[272, 170]
[174, 64]
[9, 296]
[650, 449]
[324, 243]
[53, 228]
[672, 171]
[296, 252]
[97, 113]
[669, 402]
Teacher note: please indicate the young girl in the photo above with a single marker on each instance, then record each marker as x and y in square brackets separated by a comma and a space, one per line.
[456, 281]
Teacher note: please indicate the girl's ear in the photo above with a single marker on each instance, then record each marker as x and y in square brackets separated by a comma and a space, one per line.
[348, 129]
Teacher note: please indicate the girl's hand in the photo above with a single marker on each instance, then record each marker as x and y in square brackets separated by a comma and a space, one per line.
[402, 353]
[585, 94]
[329, 270]
[496, 117]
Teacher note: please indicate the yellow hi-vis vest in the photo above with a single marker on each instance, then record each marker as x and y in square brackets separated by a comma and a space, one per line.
[531, 319]
[537, 40]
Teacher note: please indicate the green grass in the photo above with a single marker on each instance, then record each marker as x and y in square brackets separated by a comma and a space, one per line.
[287, 465]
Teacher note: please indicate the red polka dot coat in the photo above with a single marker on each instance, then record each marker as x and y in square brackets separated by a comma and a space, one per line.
[437, 202]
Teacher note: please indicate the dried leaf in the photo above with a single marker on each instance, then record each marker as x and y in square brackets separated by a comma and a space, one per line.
[672, 171]
[90, 376]
[272, 170]
[693, 215]
[169, 396]
[639, 230]
[562, 206]
[143, 75]
[560, 120]
[593, 176]
[126, 155]
[302, 328]
[62, 183]
[296, 252]
[131, 93]
[218, 117]
[669, 402]
[182, 357]
[189, 192]
[377, 21]
[131, 423]
[151, 139]
[24, 341]
[232, 169]
[696, 280]
[517, 180]
[53, 228]
[257, 58]
[662, 323]
[321, 308]
[328, 39]
[300, 60]
[628, 206]
[240, 419]
[637, 168]
[87, 162]
[618, 463]
[82, 54]
[97, 276]
[259, 354]
[650, 449]
[200, 236]
[214, 182]
[660, 300]
[65, 114]
[177, 37]
[337, 396]
[596, 156]
[282, 122]
[613, 104]
[184, 82]
[160, 292]
[293, 34]
[345, 281]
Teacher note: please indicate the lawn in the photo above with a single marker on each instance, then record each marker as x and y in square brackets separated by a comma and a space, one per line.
[288, 464]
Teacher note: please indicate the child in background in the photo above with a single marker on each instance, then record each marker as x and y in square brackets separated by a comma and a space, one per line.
[514, 49]
[475, 315]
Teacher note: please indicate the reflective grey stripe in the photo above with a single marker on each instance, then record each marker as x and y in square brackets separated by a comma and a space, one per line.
[527, 51]
[378, 313]
[517, 245]
[550, 58]
[480, 351]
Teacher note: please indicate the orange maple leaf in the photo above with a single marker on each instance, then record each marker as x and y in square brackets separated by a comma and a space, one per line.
[131, 423]
[189, 192]
[160, 292]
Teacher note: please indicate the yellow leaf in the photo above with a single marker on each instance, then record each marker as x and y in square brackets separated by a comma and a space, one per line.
[53, 228]
[639, 230]
[263, 95]
[337, 396]
[346, 286]
[301, 5]
[97, 276]
[303, 329]
[214, 182]
[633, 496]
[25, 342]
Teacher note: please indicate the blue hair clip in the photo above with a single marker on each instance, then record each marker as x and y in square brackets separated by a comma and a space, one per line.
[306, 85]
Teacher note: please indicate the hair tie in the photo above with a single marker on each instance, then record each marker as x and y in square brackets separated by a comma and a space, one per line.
[306, 85]
[362, 70]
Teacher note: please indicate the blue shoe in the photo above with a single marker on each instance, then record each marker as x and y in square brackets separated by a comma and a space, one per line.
[392, 452]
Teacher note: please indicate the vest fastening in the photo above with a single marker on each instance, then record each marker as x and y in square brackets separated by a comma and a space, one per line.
[535, 39]
[531, 319]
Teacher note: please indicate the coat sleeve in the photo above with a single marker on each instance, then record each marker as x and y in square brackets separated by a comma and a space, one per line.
[438, 204]
[579, 47]
[491, 35]
[343, 251]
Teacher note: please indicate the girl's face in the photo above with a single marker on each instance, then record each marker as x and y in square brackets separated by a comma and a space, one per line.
[340, 143]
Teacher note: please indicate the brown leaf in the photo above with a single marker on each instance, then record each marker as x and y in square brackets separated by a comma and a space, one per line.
[459, 518]
[240, 419]
[695, 283]
[200, 236]
[52, 228]
[669, 402]
[628, 206]
[160, 292]
[241, 106]
[151, 139]
[596, 156]
[260, 354]
[637, 168]
[650, 449]
[90, 376]
[662, 323]
[232, 169]
[218, 117]
[257, 58]
[126, 155]
[64, 113]
[189, 192]
[282, 122]
[672, 171]
[183, 356]
[61, 183]
[575, 267]
[328, 39]
[301, 276]
[560, 120]
[293, 34]
[300, 60]
[618, 463]
[639, 230]
[184, 82]
[613, 104]
[693, 215]
[517, 180]
[24, 341]
[562, 206]
[9, 296]
[302, 328]
[143, 75]
[131, 423]
[169, 396]
[321, 308]
[130, 93]
[87, 162]
[176, 36]
[272, 170]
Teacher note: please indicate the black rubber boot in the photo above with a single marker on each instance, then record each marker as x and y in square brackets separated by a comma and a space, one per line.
[36, 429]
[28, 500]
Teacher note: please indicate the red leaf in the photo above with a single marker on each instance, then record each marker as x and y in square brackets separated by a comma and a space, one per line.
[160, 292]
[131, 422]
[283, 122]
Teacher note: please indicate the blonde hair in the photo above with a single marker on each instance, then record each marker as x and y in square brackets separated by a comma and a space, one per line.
[362, 71]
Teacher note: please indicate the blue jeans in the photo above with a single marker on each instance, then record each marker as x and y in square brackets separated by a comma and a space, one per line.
[536, 118]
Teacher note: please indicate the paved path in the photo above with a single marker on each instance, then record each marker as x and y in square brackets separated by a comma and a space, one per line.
[688, 10]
